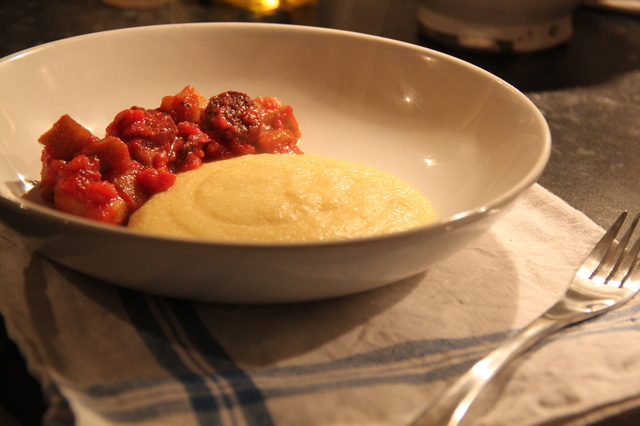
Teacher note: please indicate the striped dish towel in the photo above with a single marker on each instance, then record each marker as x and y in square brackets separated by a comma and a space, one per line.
[112, 356]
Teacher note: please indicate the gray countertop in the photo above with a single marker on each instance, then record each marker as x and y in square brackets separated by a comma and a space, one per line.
[588, 90]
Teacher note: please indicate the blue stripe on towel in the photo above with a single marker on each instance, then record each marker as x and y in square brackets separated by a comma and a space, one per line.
[202, 401]
[248, 395]
[412, 378]
[405, 351]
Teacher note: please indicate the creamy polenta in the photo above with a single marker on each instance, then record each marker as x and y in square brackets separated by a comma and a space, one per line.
[283, 198]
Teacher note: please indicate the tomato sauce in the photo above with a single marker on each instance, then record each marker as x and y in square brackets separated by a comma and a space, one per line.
[107, 179]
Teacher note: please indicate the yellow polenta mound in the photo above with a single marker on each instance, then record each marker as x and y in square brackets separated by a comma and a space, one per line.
[283, 198]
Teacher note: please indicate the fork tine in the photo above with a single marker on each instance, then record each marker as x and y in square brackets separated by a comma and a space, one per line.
[631, 281]
[614, 257]
[625, 268]
[600, 251]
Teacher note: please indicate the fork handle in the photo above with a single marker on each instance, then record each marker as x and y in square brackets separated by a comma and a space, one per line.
[451, 407]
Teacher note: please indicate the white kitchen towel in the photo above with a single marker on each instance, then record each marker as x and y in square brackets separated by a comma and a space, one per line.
[108, 355]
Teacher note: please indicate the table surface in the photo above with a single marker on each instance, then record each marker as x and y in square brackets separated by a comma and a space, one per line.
[588, 90]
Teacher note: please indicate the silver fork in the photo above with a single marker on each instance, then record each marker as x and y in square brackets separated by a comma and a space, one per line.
[607, 279]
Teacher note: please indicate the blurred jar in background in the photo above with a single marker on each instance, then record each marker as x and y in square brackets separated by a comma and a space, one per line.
[507, 26]
[268, 6]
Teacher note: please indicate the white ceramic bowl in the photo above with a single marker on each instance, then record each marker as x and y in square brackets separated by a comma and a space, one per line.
[499, 25]
[468, 140]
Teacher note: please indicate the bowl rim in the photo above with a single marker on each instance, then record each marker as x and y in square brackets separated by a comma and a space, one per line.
[441, 225]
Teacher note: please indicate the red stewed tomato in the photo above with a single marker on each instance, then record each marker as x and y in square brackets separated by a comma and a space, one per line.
[107, 179]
